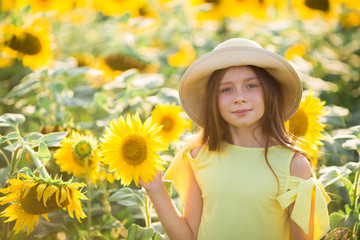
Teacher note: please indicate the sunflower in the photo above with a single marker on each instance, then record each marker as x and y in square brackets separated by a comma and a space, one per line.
[184, 56]
[29, 43]
[131, 148]
[106, 175]
[32, 197]
[310, 9]
[169, 117]
[114, 7]
[298, 49]
[220, 9]
[351, 4]
[7, 5]
[48, 5]
[75, 150]
[106, 68]
[350, 20]
[305, 125]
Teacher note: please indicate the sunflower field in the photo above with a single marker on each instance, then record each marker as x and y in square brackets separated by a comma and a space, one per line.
[89, 105]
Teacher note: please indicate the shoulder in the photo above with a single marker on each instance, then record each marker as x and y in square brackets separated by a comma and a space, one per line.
[195, 151]
[300, 167]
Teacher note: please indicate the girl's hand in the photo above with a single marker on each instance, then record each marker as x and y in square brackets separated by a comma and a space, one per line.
[155, 185]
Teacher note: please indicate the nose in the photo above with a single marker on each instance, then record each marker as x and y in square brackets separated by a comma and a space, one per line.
[239, 97]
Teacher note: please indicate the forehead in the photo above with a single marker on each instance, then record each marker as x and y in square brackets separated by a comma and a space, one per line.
[239, 72]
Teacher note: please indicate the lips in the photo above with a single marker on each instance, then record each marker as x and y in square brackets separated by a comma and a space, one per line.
[241, 112]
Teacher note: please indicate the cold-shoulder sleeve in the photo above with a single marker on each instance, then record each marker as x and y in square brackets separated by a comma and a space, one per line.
[178, 170]
[304, 193]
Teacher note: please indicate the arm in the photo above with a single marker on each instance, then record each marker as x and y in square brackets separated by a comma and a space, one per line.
[300, 167]
[175, 225]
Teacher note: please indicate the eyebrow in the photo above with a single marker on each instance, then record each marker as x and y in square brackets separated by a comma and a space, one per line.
[245, 79]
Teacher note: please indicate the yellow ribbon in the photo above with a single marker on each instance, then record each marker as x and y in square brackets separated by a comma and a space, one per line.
[178, 170]
[301, 191]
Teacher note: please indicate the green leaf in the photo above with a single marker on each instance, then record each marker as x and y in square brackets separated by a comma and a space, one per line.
[53, 139]
[349, 187]
[35, 136]
[101, 99]
[10, 136]
[352, 144]
[126, 197]
[148, 81]
[159, 236]
[136, 232]
[57, 87]
[353, 166]
[44, 154]
[331, 174]
[11, 119]
[124, 18]
[24, 87]
[83, 95]
[337, 219]
[4, 173]
[43, 102]
[351, 219]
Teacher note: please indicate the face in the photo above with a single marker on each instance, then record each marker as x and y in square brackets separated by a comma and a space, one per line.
[241, 98]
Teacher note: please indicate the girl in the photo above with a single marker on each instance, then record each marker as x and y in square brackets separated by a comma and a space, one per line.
[245, 178]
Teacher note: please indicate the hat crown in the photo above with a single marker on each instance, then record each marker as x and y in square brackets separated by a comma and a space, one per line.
[237, 42]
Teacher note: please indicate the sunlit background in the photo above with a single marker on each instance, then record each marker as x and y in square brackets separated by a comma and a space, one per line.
[78, 64]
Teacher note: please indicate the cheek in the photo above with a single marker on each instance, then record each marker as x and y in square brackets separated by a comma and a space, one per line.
[261, 103]
[222, 101]
[222, 104]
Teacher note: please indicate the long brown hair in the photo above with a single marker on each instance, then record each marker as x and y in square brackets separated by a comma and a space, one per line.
[216, 132]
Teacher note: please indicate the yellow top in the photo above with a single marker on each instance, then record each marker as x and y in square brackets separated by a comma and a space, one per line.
[241, 198]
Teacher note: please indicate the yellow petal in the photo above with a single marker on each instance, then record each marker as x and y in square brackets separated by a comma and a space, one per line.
[46, 217]
[40, 190]
[49, 191]
[57, 197]
[63, 195]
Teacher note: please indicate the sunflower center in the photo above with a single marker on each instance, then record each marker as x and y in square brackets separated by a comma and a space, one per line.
[31, 205]
[213, 1]
[134, 149]
[25, 43]
[168, 124]
[82, 149]
[298, 124]
[122, 62]
[322, 5]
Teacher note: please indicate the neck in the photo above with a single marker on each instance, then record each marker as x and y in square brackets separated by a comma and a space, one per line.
[248, 137]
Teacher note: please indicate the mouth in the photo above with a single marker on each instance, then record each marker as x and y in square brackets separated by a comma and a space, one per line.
[241, 112]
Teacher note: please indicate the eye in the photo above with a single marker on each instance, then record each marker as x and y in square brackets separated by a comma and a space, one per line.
[226, 90]
[251, 85]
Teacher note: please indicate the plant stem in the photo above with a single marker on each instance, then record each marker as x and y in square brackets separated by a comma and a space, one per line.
[39, 165]
[356, 184]
[147, 211]
[5, 157]
[11, 146]
[107, 206]
[14, 159]
[89, 196]
[5, 233]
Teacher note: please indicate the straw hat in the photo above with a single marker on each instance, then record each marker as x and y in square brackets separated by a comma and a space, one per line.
[237, 52]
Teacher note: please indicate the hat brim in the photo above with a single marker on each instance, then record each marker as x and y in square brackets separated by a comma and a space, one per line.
[193, 84]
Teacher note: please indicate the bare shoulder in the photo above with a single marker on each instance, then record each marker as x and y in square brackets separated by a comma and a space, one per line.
[300, 166]
[195, 151]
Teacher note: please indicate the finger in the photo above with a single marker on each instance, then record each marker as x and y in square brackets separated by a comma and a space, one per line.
[142, 183]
